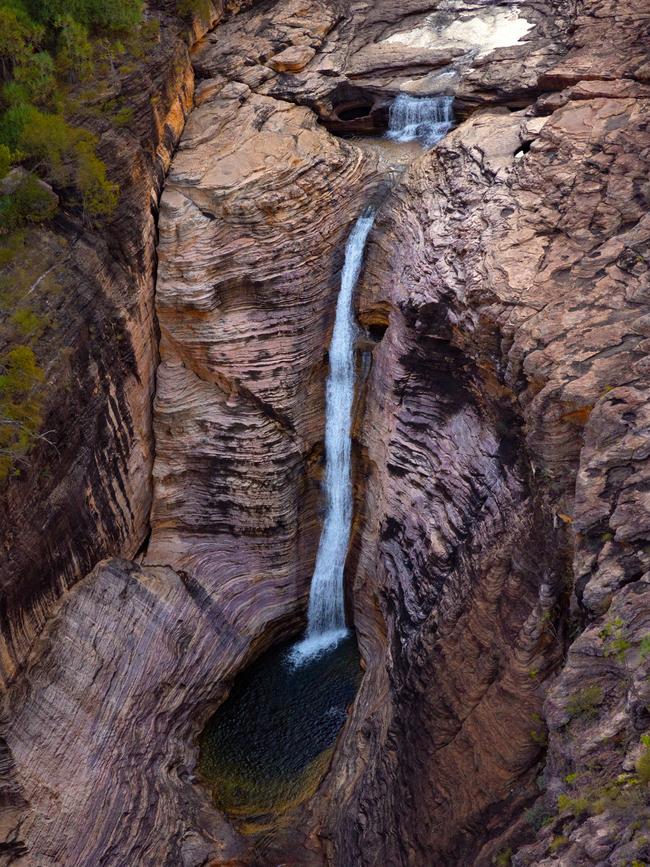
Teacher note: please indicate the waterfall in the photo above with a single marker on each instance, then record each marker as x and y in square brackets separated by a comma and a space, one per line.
[326, 615]
[425, 119]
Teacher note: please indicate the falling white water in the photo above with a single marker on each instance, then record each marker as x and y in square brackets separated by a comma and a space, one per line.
[326, 615]
[425, 119]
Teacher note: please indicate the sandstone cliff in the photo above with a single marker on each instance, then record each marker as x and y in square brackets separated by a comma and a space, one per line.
[85, 491]
[499, 565]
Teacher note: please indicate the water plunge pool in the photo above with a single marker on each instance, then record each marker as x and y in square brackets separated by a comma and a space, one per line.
[268, 746]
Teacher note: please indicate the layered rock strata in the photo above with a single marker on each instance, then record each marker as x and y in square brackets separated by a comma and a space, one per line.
[128, 656]
[502, 456]
[85, 491]
[506, 440]
[253, 223]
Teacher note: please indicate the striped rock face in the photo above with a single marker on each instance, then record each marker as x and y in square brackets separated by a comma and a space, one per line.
[253, 224]
[497, 571]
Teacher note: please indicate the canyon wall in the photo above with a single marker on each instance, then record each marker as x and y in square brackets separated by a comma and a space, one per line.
[85, 491]
[498, 560]
[253, 222]
[505, 507]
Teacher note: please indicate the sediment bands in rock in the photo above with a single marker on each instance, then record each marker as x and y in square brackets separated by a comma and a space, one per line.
[252, 229]
[129, 655]
[506, 414]
[502, 456]
[253, 222]
[86, 490]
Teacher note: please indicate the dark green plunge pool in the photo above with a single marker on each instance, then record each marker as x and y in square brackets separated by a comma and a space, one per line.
[268, 746]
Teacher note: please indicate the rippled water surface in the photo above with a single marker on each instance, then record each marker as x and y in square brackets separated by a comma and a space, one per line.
[269, 744]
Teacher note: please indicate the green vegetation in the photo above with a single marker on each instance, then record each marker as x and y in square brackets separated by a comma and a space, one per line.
[201, 9]
[503, 858]
[29, 202]
[48, 47]
[643, 762]
[575, 806]
[538, 816]
[584, 702]
[22, 386]
[558, 842]
[615, 642]
[622, 795]
[92, 14]
[61, 69]
[49, 51]
[20, 405]
[645, 647]
[538, 735]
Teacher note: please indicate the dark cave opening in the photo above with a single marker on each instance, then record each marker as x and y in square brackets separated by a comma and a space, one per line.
[354, 112]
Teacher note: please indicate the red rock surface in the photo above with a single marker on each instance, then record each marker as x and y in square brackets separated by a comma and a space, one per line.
[499, 564]
[86, 492]
[253, 222]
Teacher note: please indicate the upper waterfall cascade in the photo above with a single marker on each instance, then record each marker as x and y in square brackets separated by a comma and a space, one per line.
[423, 119]
[326, 615]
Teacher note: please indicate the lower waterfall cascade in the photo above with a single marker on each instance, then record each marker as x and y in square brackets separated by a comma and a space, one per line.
[269, 744]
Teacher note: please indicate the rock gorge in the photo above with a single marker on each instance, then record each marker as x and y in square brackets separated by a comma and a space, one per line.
[498, 571]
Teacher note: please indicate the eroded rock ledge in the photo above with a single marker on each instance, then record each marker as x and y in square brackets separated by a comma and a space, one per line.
[504, 440]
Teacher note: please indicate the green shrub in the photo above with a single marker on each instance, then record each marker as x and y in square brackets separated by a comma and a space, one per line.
[30, 202]
[5, 160]
[124, 116]
[99, 195]
[66, 154]
[27, 322]
[201, 9]
[12, 123]
[584, 702]
[537, 816]
[11, 246]
[74, 51]
[20, 405]
[558, 842]
[35, 77]
[575, 806]
[101, 14]
[150, 30]
[539, 736]
[503, 858]
[48, 140]
[615, 643]
[18, 37]
[643, 762]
